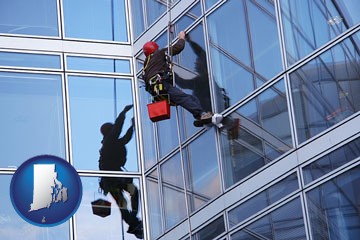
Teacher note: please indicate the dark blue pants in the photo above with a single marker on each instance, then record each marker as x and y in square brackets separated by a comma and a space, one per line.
[187, 101]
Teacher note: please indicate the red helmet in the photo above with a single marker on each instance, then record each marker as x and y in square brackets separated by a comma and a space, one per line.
[150, 47]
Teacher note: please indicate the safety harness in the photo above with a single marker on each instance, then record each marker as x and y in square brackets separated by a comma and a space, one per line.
[155, 84]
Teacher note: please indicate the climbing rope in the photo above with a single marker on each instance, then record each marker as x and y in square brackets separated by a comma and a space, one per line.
[169, 31]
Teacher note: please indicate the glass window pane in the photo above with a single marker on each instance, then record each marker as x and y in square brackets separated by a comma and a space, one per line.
[148, 131]
[98, 20]
[283, 188]
[310, 24]
[202, 170]
[256, 134]
[334, 207]
[90, 226]
[137, 17]
[98, 64]
[264, 40]
[188, 18]
[32, 113]
[93, 102]
[332, 161]
[13, 227]
[173, 191]
[212, 230]
[210, 3]
[248, 209]
[262, 200]
[239, 57]
[231, 80]
[168, 137]
[154, 9]
[193, 75]
[30, 17]
[154, 209]
[13, 59]
[325, 91]
[287, 222]
[235, 44]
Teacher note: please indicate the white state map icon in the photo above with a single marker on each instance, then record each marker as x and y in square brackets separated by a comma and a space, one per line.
[47, 188]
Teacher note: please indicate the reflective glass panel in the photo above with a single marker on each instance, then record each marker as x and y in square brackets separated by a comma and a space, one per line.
[334, 207]
[192, 76]
[253, 46]
[211, 231]
[13, 59]
[148, 132]
[210, 3]
[202, 170]
[168, 137]
[331, 161]
[255, 134]
[309, 24]
[188, 18]
[138, 21]
[284, 223]
[30, 17]
[32, 119]
[154, 209]
[13, 227]
[233, 44]
[264, 39]
[154, 9]
[94, 219]
[98, 20]
[93, 102]
[232, 82]
[262, 200]
[98, 64]
[173, 191]
[325, 91]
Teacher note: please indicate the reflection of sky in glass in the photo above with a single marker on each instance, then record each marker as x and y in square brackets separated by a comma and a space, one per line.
[99, 20]
[92, 103]
[310, 24]
[30, 60]
[98, 64]
[203, 166]
[30, 17]
[92, 227]
[33, 124]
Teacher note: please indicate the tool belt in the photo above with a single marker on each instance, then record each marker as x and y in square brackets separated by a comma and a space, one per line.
[156, 87]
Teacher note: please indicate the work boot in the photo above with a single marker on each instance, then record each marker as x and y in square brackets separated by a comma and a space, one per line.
[206, 117]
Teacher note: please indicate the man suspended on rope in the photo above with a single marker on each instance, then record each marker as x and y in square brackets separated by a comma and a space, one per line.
[112, 158]
[157, 74]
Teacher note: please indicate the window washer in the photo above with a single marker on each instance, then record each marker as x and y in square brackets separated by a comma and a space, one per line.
[158, 77]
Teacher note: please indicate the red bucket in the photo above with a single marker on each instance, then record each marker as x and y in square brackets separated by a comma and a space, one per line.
[159, 110]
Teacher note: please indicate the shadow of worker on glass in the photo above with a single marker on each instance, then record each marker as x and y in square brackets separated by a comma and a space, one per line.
[112, 158]
[199, 85]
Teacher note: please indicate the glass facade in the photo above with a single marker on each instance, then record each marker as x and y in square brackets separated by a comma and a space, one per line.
[284, 73]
